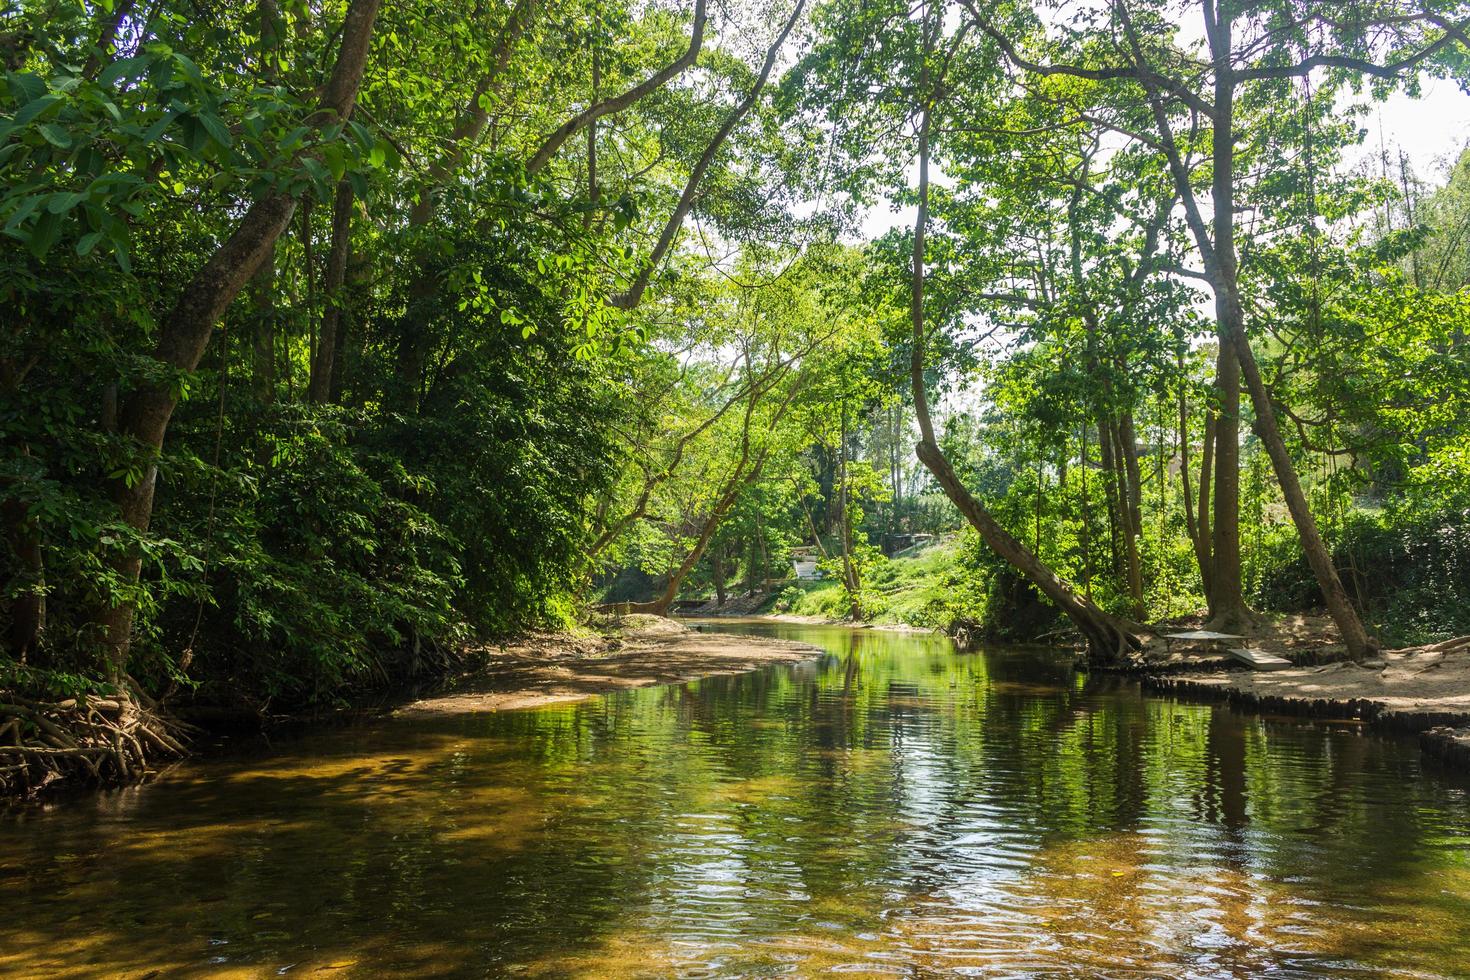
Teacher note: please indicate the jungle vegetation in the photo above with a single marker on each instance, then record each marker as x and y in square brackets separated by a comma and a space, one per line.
[340, 335]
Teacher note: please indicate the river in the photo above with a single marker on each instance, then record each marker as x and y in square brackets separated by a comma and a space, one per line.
[896, 808]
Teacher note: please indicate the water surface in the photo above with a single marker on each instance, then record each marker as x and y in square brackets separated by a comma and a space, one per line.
[894, 809]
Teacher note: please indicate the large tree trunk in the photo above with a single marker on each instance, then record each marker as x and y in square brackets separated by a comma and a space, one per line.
[1222, 266]
[186, 330]
[1228, 609]
[319, 388]
[1107, 638]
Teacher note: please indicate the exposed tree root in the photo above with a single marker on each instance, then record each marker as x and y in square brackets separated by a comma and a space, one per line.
[90, 739]
[1445, 646]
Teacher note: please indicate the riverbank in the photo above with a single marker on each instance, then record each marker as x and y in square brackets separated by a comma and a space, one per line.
[801, 620]
[636, 651]
[48, 747]
[1424, 690]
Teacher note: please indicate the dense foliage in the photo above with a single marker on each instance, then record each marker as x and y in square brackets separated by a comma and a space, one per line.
[342, 334]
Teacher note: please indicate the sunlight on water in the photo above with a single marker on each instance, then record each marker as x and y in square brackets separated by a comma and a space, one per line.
[897, 809]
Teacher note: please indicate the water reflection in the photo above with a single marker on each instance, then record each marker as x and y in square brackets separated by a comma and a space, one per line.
[896, 809]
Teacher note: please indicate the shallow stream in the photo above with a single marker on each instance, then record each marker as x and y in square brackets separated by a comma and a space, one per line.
[896, 808]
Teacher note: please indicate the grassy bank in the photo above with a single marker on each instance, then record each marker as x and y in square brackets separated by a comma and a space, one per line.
[935, 589]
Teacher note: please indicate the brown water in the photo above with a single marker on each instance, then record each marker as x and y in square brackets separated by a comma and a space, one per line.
[896, 809]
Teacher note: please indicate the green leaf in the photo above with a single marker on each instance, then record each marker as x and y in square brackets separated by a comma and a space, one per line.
[117, 233]
[25, 87]
[191, 70]
[60, 203]
[336, 159]
[121, 68]
[217, 130]
[156, 130]
[34, 108]
[316, 171]
[56, 136]
[44, 235]
[87, 242]
[27, 207]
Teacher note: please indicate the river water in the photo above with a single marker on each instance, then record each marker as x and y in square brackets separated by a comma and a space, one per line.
[894, 809]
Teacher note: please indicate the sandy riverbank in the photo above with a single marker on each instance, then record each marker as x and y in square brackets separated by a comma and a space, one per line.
[639, 652]
[1423, 689]
[825, 621]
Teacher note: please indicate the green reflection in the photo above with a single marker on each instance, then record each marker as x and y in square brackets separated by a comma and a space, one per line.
[897, 806]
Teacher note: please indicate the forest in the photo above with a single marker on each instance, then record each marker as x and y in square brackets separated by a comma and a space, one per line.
[345, 339]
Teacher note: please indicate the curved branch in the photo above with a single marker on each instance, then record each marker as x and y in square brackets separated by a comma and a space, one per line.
[619, 102]
[633, 295]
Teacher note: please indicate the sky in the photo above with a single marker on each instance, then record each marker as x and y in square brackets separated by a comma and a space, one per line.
[1432, 129]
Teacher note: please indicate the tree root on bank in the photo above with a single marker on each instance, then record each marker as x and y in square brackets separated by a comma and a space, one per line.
[1444, 646]
[90, 739]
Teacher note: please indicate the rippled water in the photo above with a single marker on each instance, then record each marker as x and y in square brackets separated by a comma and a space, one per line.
[896, 809]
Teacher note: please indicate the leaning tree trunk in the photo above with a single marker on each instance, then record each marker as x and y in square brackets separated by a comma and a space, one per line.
[185, 332]
[1354, 636]
[1108, 638]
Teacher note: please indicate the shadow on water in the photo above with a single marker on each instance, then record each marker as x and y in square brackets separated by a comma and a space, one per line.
[896, 807]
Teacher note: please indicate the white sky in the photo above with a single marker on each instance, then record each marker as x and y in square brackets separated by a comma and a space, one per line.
[1432, 130]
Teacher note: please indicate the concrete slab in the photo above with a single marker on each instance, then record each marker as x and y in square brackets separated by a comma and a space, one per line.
[1260, 659]
[1202, 635]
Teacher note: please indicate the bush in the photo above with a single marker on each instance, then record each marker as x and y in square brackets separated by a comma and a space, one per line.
[1409, 571]
[323, 571]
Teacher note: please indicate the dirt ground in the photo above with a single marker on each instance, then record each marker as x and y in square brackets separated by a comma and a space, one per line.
[1403, 681]
[639, 651]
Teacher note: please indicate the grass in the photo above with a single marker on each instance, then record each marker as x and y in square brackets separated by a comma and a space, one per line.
[934, 590]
